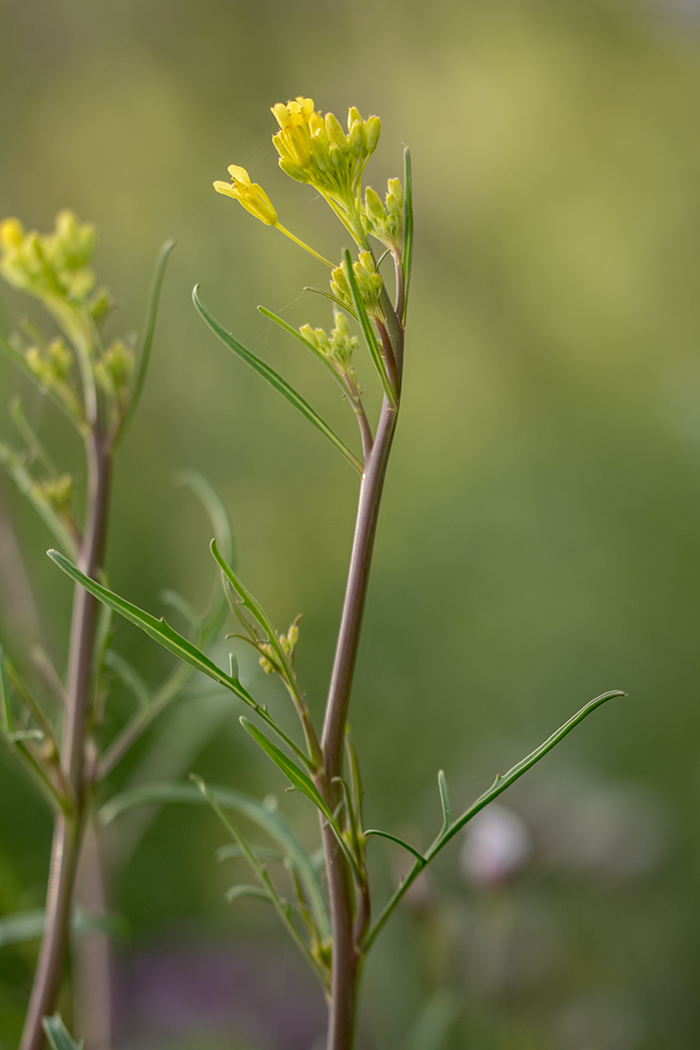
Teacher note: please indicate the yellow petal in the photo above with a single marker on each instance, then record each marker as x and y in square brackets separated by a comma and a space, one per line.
[239, 174]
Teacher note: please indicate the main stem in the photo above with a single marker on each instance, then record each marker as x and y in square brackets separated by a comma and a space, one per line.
[68, 829]
[346, 956]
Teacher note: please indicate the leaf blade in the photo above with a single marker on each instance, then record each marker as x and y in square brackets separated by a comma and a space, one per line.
[291, 770]
[158, 629]
[277, 382]
[367, 330]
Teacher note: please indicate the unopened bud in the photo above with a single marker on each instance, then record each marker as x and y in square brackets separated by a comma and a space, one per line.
[335, 133]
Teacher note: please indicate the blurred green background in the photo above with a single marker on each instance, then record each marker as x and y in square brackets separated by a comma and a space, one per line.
[540, 541]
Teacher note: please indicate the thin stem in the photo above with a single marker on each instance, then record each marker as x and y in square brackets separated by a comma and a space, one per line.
[346, 954]
[356, 592]
[68, 830]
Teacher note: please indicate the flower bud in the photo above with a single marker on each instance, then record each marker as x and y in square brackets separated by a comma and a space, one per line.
[373, 128]
[335, 133]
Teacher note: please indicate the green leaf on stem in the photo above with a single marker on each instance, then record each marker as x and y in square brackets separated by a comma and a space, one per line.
[34, 492]
[22, 926]
[275, 380]
[158, 629]
[368, 331]
[5, 707]
[399, 842]
[68, 404]
[260, 813]
[209, 498]
[447, 817]
[502, 782]
[282, 907]
[130, 677]
[296, 776]
[145, 355]
[58, 1035]
[243, 890]
[499, 785]
[304, 342]
[407, 253]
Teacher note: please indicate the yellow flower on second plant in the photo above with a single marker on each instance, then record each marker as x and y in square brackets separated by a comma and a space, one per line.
[249, 194]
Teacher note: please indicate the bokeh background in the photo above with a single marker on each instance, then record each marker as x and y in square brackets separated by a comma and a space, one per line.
[540, 541]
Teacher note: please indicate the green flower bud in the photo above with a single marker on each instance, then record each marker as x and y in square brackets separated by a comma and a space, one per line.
[293, 170]
[59, 492]
[61, 358]
[336, 135]
[373, 129]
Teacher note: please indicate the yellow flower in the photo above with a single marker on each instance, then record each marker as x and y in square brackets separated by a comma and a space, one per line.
[249, 194]
[256, 201]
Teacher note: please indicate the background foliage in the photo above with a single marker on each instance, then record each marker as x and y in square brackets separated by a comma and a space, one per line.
[539, 541]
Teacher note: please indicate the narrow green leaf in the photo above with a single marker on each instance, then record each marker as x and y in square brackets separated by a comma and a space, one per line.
[502, 782]
[243, 890]
[407, 254]
[367, 330]
[260, 813]
[209, 498]
[58, 1035]
[158, 629]
[129, 676]
[304, 342]
[261, 853]
[291, 770]
[397, 840]
[182, 606]
[333, 299]
[499, 785]
[145, 354]
[282, 907]
[5, 707]
[275, 380]
[447, 817]
[71, 408]
[30, 487]
[22, 926]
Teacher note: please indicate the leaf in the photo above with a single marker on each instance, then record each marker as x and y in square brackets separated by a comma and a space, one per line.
[209, 498]
[333, 299]
[407, 254]
[260, 813]
[304, 342]
[397, 840]
[129, 676]
[30, 487]
[282, 907]
[275, 380]
[5, 708]
[243, 890]
[158, 629]
[502, 782]
[260, 852]
[368, 331]
[72, 410]
[147, 339]
[20, 927]
[291, 770]
[499, 785]
[445, 801]
[58, 1035]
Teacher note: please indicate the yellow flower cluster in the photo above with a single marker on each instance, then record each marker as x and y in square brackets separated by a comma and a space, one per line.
[54, 265]
[315, 149]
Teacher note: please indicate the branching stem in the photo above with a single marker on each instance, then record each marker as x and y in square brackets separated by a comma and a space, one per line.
[68, 830]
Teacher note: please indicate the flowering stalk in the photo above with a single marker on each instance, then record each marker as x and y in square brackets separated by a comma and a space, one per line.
[96, 386]
[333, 934]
